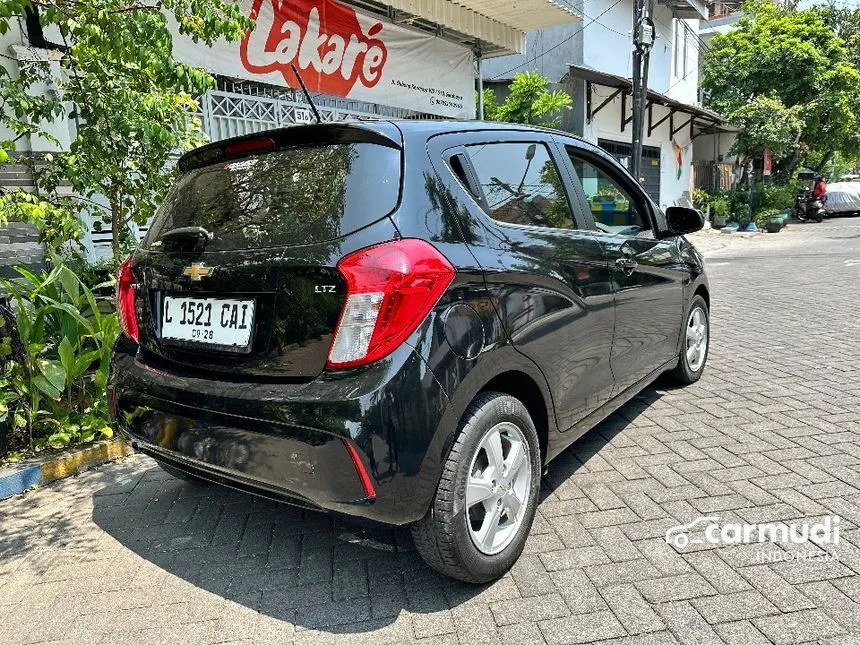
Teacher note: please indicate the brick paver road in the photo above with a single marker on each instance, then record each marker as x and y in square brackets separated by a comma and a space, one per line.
[125, 553]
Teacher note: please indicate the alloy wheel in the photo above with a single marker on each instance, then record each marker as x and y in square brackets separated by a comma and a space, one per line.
[697, 339]
[498, 488]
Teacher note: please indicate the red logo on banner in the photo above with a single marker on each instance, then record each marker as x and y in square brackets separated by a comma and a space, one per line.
[322, 38]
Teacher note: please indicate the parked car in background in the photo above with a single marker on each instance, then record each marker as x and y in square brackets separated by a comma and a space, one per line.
[843, 198]
[401, 321]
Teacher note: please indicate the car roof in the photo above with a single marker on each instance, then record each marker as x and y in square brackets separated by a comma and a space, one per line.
[408, 128]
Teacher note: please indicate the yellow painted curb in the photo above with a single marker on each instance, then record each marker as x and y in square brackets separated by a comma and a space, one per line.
[75, 462]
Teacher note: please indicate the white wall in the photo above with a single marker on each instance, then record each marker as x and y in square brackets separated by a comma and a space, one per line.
[708, 146]
[12, 37]
[609, 49]
[606, 44]
[17, 52]
[606, 124]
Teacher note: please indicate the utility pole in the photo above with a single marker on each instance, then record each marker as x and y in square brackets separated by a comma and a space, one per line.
[643, 39]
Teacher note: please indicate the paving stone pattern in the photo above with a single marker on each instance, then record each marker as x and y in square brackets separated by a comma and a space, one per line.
[127, 554]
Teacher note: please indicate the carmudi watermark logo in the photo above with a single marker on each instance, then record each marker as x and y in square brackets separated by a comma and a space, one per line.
[709, 530]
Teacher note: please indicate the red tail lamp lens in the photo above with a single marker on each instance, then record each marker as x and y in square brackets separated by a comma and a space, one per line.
[391, 288]
[125, 295]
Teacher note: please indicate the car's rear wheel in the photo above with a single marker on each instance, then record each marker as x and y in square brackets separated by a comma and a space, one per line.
[180, 474]
[483, 510]
[695, 341]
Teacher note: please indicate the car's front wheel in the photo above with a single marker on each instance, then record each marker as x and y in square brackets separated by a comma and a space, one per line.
[695, 339]
[484, 506]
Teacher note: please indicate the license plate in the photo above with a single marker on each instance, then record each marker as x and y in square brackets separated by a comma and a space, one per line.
[214, 321]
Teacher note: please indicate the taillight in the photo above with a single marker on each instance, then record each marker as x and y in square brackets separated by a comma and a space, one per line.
[125, 301]
[391, 288]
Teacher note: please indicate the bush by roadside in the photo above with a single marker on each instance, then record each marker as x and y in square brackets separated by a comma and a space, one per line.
[55, 343]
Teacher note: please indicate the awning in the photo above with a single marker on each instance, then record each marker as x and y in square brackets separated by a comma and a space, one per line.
[491, 27]
[687, 8]
[698, 119]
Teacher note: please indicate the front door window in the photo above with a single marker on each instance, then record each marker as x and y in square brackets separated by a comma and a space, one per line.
[612, 207]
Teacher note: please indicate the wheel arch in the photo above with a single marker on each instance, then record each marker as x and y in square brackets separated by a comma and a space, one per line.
[702, 290]
[504, 370]
[522, 387]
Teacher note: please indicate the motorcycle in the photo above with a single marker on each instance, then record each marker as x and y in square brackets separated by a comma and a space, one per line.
[808, 208]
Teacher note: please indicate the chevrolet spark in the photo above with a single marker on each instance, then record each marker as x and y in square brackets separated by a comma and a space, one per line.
[401, 321]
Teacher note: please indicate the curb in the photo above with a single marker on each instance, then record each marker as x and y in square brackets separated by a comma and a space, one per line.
[17, 478]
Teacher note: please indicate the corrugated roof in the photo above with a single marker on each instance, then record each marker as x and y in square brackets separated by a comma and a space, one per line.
[524, 15]
[494, 27]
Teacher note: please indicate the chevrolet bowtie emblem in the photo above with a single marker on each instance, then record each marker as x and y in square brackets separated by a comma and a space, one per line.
[197, 271]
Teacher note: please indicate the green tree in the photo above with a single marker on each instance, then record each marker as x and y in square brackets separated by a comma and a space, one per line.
[765, 122]
[131, 102]
[529, 101]
[845, 22]
[779, 66]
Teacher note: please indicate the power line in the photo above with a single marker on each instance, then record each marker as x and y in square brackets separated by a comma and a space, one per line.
[561, 42]
[697, 43]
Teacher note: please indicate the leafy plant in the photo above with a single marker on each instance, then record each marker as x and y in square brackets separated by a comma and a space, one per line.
[701, 199]
[720, 207]
[773, 196]
[530, 101]
[53, 381]
[741, 214]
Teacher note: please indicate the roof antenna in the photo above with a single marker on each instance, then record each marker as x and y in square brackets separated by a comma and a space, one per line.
[307, 94]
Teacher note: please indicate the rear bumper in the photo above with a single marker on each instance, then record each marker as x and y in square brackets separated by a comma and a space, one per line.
[343, 443]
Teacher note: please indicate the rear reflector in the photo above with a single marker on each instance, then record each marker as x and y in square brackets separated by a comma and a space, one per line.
[391, 288]
[366, 483]
[125, 295]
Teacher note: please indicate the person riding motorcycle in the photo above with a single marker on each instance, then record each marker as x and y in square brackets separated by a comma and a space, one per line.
[819, 191]
[812, 207]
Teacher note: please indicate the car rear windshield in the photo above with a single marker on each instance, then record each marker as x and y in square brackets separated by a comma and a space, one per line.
[299, 195]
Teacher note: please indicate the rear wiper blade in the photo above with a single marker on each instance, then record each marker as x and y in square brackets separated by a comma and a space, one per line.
[186, 233]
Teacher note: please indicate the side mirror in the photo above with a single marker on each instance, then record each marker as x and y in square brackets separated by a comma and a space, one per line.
[682, 220]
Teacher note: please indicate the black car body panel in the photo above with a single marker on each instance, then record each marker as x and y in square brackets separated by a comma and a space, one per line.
[545, 314]
[288, 436]
[298, 294]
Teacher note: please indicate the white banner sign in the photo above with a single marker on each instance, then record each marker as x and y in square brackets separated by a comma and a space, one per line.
[341, 52]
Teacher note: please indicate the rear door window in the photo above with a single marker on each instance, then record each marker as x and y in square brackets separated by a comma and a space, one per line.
[521, 184]
[299, 195]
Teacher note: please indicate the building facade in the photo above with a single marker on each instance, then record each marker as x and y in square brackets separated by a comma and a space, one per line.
[592, 61]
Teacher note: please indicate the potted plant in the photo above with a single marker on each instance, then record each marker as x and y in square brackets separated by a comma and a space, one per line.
[769, 219]
[743, 217]
[773, 224]
[720, 212]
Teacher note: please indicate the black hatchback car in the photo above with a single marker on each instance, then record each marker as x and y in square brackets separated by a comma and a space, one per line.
[401, 321]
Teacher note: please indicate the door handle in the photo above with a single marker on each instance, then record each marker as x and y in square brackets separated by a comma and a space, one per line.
[626, 264]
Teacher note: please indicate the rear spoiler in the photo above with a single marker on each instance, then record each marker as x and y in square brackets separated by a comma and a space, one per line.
[380, 133]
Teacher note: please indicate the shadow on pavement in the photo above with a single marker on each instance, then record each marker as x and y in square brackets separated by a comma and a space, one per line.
[314, 570]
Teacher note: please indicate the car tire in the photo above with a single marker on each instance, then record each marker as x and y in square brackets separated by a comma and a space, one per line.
[460, 517]
[181, 474]
[689, 371]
